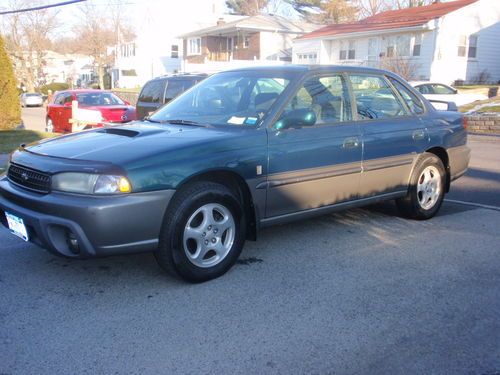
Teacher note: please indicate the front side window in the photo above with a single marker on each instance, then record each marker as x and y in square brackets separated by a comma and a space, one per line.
[326, 96]
[194, 46]
[412, 101]
[374, 98]
[229, 98]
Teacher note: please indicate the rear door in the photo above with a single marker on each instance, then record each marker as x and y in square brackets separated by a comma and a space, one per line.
[150, 98]
[393, 134]
[319, 165]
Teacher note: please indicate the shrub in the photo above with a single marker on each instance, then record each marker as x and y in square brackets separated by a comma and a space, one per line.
[10, 108]
[54, 86]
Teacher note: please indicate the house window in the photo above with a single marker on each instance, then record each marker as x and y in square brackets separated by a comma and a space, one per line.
[347, 50]
[462, 45]
[174, 51]
[307, 58]
[127, 50]
[472, 47]
[194, 46]
[230, 44]
[246, 41]
[417, 44]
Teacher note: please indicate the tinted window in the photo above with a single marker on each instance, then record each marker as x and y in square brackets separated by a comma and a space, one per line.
[68, 98]
[175, 87]
[413, 102]
[374, 98]
[153, 91]
[327, 97]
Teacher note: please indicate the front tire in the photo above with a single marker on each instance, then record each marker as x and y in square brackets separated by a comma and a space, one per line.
[427, 188]
[203, 232]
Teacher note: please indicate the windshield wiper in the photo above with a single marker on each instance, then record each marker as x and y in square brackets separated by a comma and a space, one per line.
[185, 122]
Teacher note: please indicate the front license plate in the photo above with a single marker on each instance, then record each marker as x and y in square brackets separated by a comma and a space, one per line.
[16, 226]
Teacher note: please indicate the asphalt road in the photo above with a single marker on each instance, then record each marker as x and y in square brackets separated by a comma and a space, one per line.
[358, 292]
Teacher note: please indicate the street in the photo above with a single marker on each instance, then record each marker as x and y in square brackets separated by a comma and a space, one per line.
[358, 292]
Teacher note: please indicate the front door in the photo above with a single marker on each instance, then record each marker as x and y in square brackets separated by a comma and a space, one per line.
[319, 164]
[392, 132]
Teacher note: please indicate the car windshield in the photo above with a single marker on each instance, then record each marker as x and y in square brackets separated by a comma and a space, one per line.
[88, 99]
[230, 98]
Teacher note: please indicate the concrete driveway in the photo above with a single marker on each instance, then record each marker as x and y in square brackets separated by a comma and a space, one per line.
[34, 118]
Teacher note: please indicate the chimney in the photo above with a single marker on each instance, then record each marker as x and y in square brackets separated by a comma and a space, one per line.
[220, 21]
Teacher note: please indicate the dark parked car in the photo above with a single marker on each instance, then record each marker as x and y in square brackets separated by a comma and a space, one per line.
[161, 90]
[242, 150]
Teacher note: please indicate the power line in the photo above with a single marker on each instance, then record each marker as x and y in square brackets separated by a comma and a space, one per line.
[41, 7]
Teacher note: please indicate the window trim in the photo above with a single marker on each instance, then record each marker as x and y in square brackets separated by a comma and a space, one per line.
[469, 46]
[411, 89]
[189, 49]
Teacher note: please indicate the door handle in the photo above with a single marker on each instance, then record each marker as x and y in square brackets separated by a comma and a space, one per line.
[351, 142]
[418, 135]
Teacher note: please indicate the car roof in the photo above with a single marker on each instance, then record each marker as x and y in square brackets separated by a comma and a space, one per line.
[314, 68]
[181, 75]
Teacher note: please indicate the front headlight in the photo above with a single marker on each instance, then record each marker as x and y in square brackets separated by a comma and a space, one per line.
[86, 183]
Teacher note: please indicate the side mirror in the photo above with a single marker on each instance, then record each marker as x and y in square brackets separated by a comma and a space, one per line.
[126, 102]
[442, 105]
[296, 119]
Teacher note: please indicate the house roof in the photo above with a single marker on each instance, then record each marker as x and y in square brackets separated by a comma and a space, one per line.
[392, 19]
[261, 22]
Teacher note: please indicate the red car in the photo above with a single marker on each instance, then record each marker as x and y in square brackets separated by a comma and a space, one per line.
[112, 108]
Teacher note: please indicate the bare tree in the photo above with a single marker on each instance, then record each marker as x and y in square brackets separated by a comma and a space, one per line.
[326, 11]
[246, 7]
[27, 37]
[368, 8]
[403, 66]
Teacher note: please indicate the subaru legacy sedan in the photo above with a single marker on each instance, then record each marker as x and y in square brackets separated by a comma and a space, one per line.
[242, 150]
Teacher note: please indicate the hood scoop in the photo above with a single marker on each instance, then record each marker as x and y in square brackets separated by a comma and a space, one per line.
[118, 131]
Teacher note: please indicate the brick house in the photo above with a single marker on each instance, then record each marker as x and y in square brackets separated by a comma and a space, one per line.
[254, 38]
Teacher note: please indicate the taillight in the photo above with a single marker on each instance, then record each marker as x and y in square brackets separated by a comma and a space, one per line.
[464, 122]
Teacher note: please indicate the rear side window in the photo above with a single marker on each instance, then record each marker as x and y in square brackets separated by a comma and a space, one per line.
[153, 92]
[374, 98]
[414, 103]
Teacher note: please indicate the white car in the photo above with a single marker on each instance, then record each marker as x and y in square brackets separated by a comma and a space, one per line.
[29, 99]
[445, 93]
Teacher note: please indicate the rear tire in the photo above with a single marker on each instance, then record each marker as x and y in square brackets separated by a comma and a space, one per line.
[203, 232]
[427, 188]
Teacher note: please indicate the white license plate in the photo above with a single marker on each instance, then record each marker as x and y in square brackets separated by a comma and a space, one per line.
[16, 226]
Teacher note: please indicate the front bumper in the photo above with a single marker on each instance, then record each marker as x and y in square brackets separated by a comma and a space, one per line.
[102, 226]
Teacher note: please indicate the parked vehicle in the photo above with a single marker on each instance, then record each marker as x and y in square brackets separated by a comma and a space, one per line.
[438, 93]
[31, 99]
[241, 150]
[112, 108]
[161, 90]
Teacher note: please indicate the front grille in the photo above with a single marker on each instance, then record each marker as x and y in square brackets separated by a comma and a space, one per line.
[29, 178]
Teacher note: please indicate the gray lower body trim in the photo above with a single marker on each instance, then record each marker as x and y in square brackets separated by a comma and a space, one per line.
[280, 219]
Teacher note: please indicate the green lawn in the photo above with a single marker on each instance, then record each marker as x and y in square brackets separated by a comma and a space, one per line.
[474, 87]
[11, 139]
[489, 105]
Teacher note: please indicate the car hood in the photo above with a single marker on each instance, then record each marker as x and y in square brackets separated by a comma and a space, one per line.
[120, 145]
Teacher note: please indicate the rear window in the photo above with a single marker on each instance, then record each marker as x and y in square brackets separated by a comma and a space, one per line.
[153, 92]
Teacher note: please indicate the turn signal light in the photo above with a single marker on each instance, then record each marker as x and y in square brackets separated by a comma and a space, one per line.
[124, 185]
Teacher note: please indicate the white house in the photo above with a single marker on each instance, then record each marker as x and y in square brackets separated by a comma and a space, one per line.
[157, 49]
[71, 68]
[444, 41]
